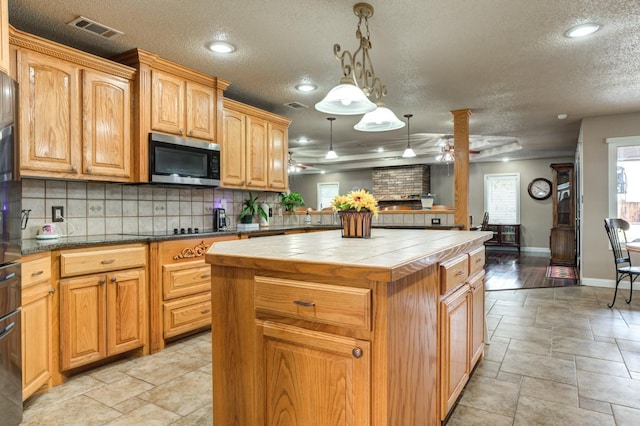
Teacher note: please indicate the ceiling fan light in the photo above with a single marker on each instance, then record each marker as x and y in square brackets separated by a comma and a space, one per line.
[381, 119]
[408, 153]
[331, 155]
[345, 99]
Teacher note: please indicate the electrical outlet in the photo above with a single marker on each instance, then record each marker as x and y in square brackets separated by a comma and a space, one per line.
[435, 221]
[57, 214]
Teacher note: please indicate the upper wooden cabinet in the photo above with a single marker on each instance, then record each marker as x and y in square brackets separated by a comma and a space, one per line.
[75, 112]
[254, 148]
[4, 36]
[172, 99]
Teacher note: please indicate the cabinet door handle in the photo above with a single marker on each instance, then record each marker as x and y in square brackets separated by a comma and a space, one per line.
[102, 281]
[114, 279]
[37, 273]
[356, 352]
[304, 303]
[206, 311]
[205, 276]
[52, 290]
[108, 261]
[74, 169]
[89, 169]
[190, 132]
[181, 131]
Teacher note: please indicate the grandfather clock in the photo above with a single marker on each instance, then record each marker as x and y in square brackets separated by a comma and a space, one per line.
[563, 234]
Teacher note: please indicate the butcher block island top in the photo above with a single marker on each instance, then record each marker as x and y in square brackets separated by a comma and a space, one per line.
[313, 328]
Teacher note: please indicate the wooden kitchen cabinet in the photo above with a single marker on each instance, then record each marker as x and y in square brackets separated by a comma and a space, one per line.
[75, 112]
[172, 99]
[254, 148]
[102, 303]
[4, 36]
[37, 318]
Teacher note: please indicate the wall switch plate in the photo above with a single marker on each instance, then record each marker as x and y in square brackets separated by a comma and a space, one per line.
[57, 214]
[435, 221]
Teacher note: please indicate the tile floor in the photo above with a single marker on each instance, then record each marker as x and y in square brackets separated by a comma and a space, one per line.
[558, 356]
[172, 387]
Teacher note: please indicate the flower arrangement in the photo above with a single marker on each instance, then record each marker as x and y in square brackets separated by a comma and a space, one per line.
[356, 200]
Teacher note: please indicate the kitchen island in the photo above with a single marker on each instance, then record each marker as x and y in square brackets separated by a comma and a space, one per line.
[317, 329]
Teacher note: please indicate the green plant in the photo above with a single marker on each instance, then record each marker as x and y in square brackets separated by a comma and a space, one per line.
[252, 208]
[291, 200]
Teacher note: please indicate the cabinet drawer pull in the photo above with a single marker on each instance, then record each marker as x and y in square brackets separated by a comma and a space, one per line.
[460, 272]
[108, 261]
[205, 276]
[52, 290]
[304, 303]
[357, 352]
[206, 311]
[478, 260]
[37, 273]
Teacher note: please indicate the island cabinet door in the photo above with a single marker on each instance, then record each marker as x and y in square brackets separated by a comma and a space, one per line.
[307, 377]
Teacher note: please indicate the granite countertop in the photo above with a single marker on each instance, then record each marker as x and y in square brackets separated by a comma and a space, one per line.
[32, 245]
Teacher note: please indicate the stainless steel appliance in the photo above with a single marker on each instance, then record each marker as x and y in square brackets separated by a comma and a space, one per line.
[219, 219]
[180, 161]
[10, 287]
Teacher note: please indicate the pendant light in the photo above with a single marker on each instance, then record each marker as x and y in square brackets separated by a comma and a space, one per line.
[381, 119]
[331, 155]
[408, 153]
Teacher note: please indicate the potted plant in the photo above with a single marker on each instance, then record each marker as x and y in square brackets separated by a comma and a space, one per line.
[291, 200]
[252, 208]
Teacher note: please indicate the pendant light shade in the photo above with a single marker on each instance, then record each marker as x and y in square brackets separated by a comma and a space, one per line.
[408, 152]
[381, 119]
[345, 99]
[331, 155]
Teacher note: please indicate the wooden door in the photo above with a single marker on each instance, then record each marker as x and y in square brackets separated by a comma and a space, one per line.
[125, 310]
[256, 154]
[454, 347]
[167, 103]
[277, 153]
[200, 111]
[49, 116]
[311, 377]
[82, 320]
[477, 318]
[233, 149]
[36, 337]
[106, 102]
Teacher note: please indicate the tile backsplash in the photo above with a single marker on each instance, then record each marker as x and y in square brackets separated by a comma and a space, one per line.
[95, 208]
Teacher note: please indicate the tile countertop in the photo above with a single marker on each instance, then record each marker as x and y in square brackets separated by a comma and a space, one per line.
[32, 245]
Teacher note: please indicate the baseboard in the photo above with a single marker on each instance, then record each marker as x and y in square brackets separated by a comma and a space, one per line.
[597, 282]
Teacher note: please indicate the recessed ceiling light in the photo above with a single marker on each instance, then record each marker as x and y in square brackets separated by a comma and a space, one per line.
[582, 30]
[562, 116]
[306, 87]
[303, 139]
[505, 159]
[380, 149]
[221, 47]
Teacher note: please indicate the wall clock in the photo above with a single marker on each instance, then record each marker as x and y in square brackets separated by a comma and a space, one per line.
[540, 189]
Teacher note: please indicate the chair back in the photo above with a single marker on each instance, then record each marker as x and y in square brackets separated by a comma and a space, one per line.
[485, 222]
[616, 231]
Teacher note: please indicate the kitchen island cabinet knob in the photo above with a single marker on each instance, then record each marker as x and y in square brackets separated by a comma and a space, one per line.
[357, 352]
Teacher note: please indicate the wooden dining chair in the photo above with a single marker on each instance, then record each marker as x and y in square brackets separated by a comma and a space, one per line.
[616, 231]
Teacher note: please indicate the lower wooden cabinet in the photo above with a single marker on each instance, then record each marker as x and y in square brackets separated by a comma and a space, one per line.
[186, 314]
[477, 317]
[454, 349]
[101, 315]
[37, 295]
[311, 377]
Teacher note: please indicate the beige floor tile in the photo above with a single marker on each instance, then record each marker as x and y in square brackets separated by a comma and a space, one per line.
[625, 416]
[495, 396]
[595, 405]
[526, 321]
[182, 395]
[627, 333]
[532, 411]
[628, 345]
[148, 414]
[546, 390]
[540, 348]
[632, 360]
[78, 411]
[470, 416]
[603, 387]
[164, 367]
[117, 392]
[495, 351]
[602, 366]
[556, 319]
[580, 333]
[514, 311]
[608, 351]
[201, 417]
[521, 332]
[541, 367]
[487, 368]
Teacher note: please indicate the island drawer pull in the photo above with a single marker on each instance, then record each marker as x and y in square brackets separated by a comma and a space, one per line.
[304, 303]
[460, 272]
[206, 311]
[108, 261]
[40, 272]
[205, 276]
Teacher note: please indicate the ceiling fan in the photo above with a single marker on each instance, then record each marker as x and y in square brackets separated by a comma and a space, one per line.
[294, 166]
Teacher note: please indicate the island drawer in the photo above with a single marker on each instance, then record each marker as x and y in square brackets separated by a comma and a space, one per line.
[89, 261]
[36, 269]
[476, 261]
[184, 279]
[454, 273]
[325, 303]
[186, 314]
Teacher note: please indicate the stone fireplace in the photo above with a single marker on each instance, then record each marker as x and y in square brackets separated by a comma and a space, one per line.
[401, 185]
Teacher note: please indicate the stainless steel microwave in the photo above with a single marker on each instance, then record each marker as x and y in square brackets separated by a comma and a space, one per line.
[180, 161]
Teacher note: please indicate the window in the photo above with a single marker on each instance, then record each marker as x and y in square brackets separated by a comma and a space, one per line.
[624, 181]
[502, 197]
[326, 192]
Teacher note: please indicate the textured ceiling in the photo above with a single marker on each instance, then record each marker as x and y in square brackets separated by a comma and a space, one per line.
[506, 60]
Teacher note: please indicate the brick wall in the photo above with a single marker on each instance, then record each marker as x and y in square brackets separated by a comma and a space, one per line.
[401, 181]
